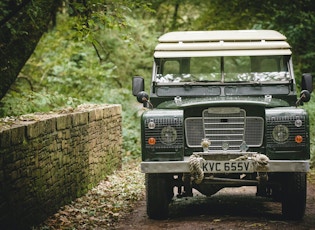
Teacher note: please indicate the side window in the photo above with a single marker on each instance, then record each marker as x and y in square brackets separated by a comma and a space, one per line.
[205, 68]
[269, 64]
[237, 68]
[237, 64]
[171, 67]
[205, 65]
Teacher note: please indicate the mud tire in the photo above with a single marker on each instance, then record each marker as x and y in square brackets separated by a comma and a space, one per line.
[159, 193]
[294, 196]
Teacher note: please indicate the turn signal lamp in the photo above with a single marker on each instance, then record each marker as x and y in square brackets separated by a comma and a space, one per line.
[298, 139]
[151, 141]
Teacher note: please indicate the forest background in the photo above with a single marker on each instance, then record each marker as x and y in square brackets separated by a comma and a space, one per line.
[93, 48]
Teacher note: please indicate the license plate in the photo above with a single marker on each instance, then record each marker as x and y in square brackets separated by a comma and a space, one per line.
[227, 166]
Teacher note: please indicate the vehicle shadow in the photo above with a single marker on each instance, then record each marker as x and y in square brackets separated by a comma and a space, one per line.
[231, 202]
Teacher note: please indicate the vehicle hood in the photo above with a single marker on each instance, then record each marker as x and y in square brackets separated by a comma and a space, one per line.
[219, 101]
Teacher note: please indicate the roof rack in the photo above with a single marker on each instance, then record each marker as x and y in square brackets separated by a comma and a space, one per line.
[222, 35]
[222, 43]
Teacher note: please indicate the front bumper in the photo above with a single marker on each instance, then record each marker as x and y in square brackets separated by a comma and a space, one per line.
[184, 166]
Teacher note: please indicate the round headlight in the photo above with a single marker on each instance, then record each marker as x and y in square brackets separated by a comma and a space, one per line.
[168, 135]
[280, 133]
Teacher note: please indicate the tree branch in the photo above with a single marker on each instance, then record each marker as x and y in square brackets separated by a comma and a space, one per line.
[14, 12]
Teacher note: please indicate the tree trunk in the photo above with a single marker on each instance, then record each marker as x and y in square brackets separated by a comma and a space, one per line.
[175, 15]
[20, 30]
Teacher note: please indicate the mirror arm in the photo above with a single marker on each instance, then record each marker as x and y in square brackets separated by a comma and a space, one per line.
[300, 101]
[147, 103]
[305, 96]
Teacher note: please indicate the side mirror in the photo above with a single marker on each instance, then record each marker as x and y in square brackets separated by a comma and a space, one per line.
[143, 97]
[305, 96]
[307, 82]
[137, 85]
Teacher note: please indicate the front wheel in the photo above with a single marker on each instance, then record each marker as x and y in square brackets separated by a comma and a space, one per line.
[159, 192]
[294, 195]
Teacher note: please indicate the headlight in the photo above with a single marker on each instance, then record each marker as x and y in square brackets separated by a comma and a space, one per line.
[168, 135]
[280, 133]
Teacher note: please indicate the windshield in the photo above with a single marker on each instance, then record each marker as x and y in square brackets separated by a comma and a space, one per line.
[223, 69]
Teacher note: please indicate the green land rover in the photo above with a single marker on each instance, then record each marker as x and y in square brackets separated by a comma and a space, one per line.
[223, 112]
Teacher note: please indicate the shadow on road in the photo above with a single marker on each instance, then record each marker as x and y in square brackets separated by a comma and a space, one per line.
[236, 208]
[236, 202]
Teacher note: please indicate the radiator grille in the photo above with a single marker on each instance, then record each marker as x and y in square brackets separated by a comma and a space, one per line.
[224, 126]
[232, 128]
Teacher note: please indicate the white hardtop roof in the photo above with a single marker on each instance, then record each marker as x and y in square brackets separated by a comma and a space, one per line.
[222, 35]
[221, 43]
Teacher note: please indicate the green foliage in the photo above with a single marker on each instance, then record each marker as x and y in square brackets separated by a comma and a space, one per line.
[310, 106]
[67, 70]
[94, 16]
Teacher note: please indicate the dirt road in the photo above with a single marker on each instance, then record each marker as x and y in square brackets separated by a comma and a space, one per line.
[229, 209]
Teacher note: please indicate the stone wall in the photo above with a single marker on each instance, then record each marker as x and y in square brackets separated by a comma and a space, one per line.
[48, 160]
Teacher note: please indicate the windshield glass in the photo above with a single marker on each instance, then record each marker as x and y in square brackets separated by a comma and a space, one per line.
[223, 69]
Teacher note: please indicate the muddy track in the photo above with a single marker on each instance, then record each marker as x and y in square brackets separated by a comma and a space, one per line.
[236, 208]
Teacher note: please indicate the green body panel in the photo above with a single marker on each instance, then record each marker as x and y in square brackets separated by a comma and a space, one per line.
[219, 101]
[160, 151]
[255, 107]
